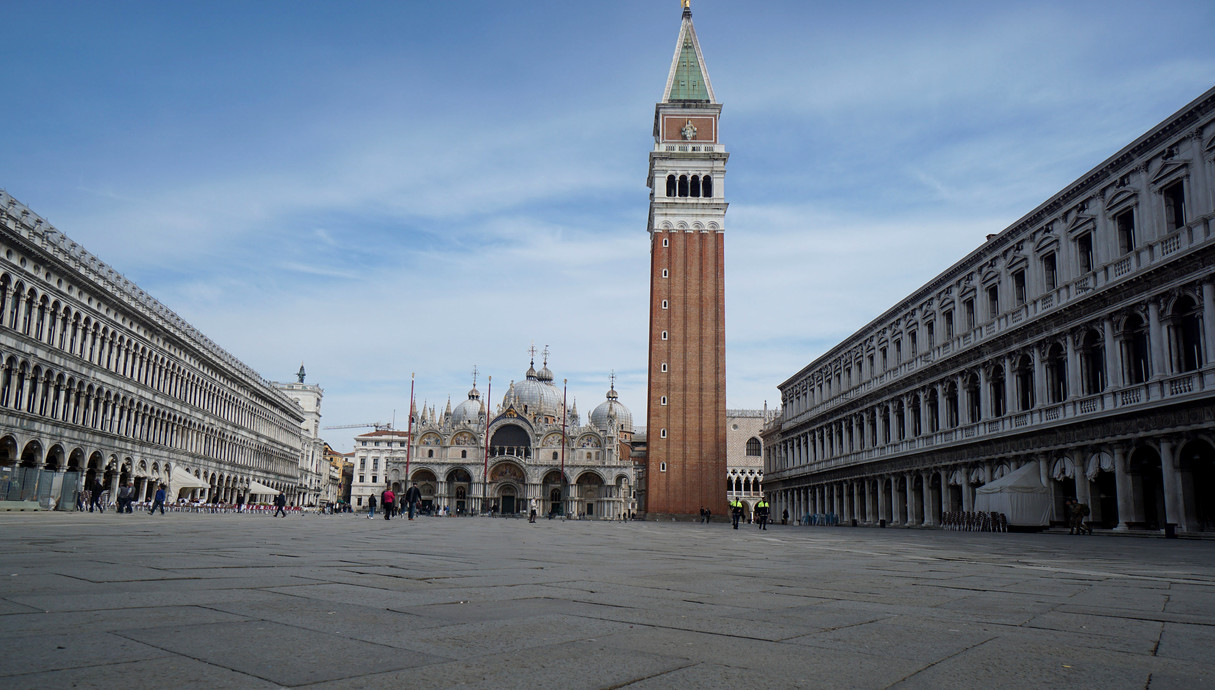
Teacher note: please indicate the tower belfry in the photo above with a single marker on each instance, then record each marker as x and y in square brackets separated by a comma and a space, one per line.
[686, 419]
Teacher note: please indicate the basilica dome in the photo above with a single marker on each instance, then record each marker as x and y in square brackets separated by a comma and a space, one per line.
[535, 395]
[624, 418]
[469, 410]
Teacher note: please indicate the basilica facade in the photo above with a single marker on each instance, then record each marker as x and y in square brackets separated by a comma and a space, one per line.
[1081, 340]
[530, 450]
[102, 384]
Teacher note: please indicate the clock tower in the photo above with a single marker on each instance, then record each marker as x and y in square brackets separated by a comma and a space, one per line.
[686, 419]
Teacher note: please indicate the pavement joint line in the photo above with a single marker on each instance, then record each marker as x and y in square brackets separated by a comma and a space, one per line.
[940, 661]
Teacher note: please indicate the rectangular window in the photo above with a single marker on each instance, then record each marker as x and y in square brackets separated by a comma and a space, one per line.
[1084, 252]
[931, 341]
[362, 464]
[362, 479]
[993, 301]
[1019, 287]
[1125, 223]
[375, 464]
[969, 307]
[911, 341]
[1174, 205]
[375, 479]
[885, 363]
[1049, 276]
[871, 365]
[949, 325]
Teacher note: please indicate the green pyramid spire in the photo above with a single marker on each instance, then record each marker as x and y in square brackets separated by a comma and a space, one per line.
[688, 80]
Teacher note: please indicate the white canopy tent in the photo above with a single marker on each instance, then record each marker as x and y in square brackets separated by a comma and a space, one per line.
[182, 479]
[1020, 495]
[256, 487]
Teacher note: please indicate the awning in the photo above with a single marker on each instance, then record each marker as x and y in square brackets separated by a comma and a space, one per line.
[184, 480]
[256, 487]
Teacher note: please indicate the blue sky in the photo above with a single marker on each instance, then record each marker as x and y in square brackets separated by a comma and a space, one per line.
[380, 188]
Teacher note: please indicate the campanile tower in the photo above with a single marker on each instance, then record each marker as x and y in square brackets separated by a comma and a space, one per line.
[686, 419]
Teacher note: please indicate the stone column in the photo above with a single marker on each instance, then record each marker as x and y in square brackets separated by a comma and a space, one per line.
[1156, 334]
[1041, 398]
[909, 502]
[1208, 322]
[856, 510]
[845, 502]
[1083, 491]
[1073, 368]
[944, 497]
[882, 499]
[1122, 482]
[1010, 386]
[1113, 373]
[967, 492]
[1174, 510]
[926, 500]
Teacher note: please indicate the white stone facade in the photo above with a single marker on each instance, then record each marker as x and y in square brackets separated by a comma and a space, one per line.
[1081, 338]
[745, 455]
[100, 382]
[456, 469]
[313, 477]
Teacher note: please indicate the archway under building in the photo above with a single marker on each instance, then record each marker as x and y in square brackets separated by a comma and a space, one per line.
[1196, 461]
[1147, 487]
[590, 491]
[551, 490]
[428, 487]
[459, 481]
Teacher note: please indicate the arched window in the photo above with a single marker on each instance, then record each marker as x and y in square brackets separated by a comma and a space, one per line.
[754, 447]
[1025, 383]
[554, 455]
[670, 185]
[1136, 366]
[973, 401]
[683, 185]
[706, 186]
[695, 189]
[464, 454]
[997, 391]
[430, 453]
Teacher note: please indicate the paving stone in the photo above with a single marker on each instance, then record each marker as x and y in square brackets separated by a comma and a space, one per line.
[273, 651]
[38, 653]
[233, 600]
[178, 672]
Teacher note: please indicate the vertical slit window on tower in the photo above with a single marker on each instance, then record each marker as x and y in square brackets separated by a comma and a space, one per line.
[665, 272]
[664, 304]
[664, 335]
[664, 367]
[662, 433]
[666, 242]
[663, 400]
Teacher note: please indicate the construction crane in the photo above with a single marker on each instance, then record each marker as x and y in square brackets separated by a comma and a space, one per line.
[379, 426]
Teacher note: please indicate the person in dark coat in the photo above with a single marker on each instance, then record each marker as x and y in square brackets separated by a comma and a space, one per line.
[413, 495]
[280, 503]
[158, 501]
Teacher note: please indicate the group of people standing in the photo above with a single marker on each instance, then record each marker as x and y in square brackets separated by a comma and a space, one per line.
[389, 503]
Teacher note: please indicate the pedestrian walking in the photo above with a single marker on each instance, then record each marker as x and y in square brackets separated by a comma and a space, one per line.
[280, 503]
[736, 512]
[388, 502]
[158, 501]
[784, 517]
[370, 507]
[531, 514]
[413, 496]
[761, 511]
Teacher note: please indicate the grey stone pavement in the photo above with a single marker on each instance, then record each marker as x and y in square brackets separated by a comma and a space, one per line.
[220, 601]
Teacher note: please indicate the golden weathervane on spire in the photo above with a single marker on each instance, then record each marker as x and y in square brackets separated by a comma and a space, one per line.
[687, 4]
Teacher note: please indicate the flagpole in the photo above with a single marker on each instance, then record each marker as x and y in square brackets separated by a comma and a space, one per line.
[409, 434]
[489, 400]
[565, 389]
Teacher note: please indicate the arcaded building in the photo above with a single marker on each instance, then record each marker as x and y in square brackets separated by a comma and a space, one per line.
[1081, 338]
[101, 382]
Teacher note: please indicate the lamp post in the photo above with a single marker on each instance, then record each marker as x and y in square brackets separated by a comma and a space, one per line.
[564, 442]
[489, 400]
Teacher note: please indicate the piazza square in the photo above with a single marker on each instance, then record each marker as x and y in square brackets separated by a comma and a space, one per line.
[969, 435]
[341, 601]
